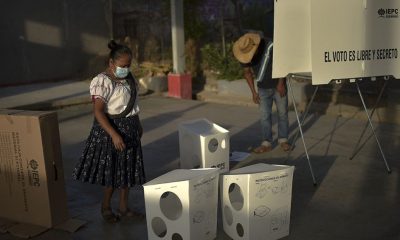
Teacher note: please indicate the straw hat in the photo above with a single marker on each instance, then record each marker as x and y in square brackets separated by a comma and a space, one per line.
[246, 46]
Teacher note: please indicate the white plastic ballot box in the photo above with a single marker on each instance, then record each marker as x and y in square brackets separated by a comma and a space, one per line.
[203, 144]
[256, 201]
[182, 204]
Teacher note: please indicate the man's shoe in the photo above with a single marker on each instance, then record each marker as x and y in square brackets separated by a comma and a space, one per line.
[262, 149]
[285, 146]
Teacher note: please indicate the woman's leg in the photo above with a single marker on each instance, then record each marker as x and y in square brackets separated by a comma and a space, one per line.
[106, 211]
[108, 192]
[124, 210]
[123, 199]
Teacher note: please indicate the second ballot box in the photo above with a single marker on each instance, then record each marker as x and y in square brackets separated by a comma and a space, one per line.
[203, 144]
[182, 204]
[256, 201]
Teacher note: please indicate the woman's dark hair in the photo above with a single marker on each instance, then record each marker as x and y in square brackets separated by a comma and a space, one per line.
[116, 50]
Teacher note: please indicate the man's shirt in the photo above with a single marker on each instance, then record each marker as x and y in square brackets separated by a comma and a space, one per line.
[256, 63]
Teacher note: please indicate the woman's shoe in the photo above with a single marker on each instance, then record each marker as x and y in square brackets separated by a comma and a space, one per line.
[129, 214]
[108, 215]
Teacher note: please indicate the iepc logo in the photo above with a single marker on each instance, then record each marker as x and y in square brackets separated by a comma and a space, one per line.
[33, 173]
[388, 13]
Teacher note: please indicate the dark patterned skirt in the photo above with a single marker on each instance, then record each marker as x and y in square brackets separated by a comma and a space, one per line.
[102, 164]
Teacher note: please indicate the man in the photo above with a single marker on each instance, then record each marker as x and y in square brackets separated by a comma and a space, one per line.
[255, 55]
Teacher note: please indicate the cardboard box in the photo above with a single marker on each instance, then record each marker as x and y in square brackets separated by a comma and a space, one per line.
[182, 204]
[31, 171]
[256, 201]
[203, 144]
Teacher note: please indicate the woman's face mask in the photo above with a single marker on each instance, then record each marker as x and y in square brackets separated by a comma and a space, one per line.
[121, 72]
[120, 66]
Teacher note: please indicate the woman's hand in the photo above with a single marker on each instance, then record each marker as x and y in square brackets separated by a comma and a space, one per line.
[140, 131]
[98, 108]
[118, 142]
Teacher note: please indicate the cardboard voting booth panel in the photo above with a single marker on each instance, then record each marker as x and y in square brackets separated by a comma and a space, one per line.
[182, 204]
[344, 39]
[335, 28]
[256, 201]
[31, 171]
[383, 39]
[292, 37]
[203, 144]
[354, 39]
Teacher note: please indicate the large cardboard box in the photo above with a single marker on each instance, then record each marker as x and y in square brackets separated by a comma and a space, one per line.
[256, 201]
[182, 204]
[203, 144]
[31, 171]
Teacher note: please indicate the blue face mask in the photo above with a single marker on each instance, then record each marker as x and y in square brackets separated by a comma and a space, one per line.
[121, 72]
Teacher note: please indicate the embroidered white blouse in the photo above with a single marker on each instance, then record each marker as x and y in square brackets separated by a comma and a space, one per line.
[115, 94]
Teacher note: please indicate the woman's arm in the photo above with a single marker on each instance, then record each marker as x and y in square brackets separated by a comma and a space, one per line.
[140, 128]
[98, 109]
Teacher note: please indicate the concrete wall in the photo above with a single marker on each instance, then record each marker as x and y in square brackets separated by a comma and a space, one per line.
[47, 40]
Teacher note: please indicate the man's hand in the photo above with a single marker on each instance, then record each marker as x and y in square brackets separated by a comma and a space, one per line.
[256, 98]
[281, 87]
[248, 75]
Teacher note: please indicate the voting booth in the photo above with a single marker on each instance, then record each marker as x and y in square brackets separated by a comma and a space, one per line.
[337, 39]
[182, 204]
[203, 144]
[256, 201]
[331, 41]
